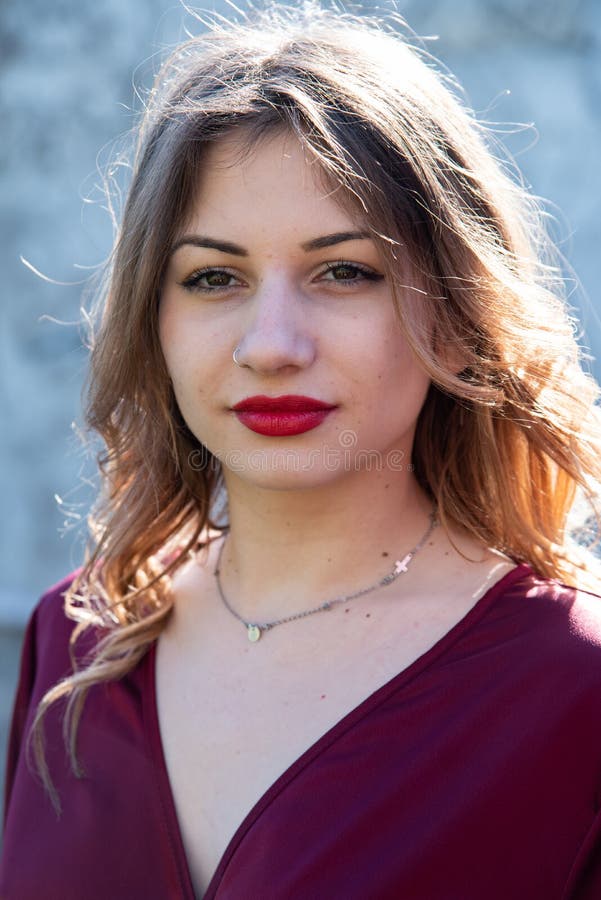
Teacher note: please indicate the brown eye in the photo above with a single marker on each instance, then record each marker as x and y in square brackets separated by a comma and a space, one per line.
[218, 279]
[208, 280]
[343, 272]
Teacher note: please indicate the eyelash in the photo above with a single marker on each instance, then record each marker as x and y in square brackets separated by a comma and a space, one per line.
[192, 282]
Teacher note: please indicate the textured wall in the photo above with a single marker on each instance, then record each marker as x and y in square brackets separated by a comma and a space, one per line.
[66, 71]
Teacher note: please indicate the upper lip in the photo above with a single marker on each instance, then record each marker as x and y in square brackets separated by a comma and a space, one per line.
[285, 403]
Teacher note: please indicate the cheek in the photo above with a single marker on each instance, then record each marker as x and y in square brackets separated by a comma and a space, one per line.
[397, 377]
[384, 352]
[194, 359]
[178, 342]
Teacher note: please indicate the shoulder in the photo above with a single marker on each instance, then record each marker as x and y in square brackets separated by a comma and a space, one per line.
[49, 611]
[551, 601]
[49, 629]
[548, 623]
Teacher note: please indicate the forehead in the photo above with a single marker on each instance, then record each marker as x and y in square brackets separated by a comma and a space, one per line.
[275, 179]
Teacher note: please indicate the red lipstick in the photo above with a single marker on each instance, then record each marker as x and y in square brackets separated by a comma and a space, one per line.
[281, 416]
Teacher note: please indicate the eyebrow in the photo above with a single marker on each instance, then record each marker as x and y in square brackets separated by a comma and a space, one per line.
[327, 240]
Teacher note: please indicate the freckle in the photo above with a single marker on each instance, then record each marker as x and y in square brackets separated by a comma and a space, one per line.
[386, 486]
[368, 615]
[346, 610]
[323, 697]
[385, 553]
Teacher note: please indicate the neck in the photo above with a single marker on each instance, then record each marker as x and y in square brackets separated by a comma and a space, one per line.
[289, 551]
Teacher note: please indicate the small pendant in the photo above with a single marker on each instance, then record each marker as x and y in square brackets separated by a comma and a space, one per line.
[253, 632]
[402, 565]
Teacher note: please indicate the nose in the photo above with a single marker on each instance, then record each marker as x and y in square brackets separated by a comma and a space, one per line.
[278, 330]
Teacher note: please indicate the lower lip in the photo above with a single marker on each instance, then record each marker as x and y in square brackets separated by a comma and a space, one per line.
[280, 424]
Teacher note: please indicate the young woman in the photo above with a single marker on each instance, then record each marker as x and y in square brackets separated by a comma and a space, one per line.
[332, 638]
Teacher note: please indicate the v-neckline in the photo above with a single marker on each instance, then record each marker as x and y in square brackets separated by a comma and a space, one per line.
[348, 720]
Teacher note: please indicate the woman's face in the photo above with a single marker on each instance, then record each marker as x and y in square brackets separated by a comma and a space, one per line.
[270, 263]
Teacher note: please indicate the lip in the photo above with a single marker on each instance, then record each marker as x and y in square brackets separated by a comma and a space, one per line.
[287, 403]
[281, 416]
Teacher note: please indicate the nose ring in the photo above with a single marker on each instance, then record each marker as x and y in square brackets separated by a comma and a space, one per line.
[234, 356]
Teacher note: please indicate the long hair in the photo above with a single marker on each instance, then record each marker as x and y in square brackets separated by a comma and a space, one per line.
[509, 433]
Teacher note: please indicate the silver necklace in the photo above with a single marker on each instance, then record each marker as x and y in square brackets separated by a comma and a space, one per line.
[254, 630]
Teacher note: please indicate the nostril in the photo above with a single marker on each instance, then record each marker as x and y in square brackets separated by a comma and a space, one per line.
[268, 354]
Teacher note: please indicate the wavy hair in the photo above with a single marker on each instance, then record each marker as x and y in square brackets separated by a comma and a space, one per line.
[509, 434]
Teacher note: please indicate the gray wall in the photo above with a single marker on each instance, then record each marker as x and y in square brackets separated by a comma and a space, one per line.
[66, 73]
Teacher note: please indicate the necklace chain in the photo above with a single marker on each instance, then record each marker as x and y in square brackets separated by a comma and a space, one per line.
[254, 630]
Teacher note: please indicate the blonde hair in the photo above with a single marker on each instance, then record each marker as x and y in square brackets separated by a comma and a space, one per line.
[509, 432]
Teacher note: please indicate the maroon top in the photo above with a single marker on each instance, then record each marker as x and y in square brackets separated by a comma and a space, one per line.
[474, 773]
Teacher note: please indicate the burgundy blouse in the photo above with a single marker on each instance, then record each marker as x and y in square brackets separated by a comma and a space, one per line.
[474, 774]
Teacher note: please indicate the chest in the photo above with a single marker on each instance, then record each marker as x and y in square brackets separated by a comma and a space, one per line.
[234, 716]
[227, 740]
[229, 731]
[422, 778]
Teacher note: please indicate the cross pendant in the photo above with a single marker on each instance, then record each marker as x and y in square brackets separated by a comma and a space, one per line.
[401, 565]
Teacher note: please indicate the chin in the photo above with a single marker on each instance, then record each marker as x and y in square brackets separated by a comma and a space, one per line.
[283, 471]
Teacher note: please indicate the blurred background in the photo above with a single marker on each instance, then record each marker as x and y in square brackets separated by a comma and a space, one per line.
[70, 75]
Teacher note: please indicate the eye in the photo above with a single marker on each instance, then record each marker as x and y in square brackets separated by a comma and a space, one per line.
[342, 272]
[208, 280]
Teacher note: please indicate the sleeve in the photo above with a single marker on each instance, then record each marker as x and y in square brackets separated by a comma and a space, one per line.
[20, 707]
